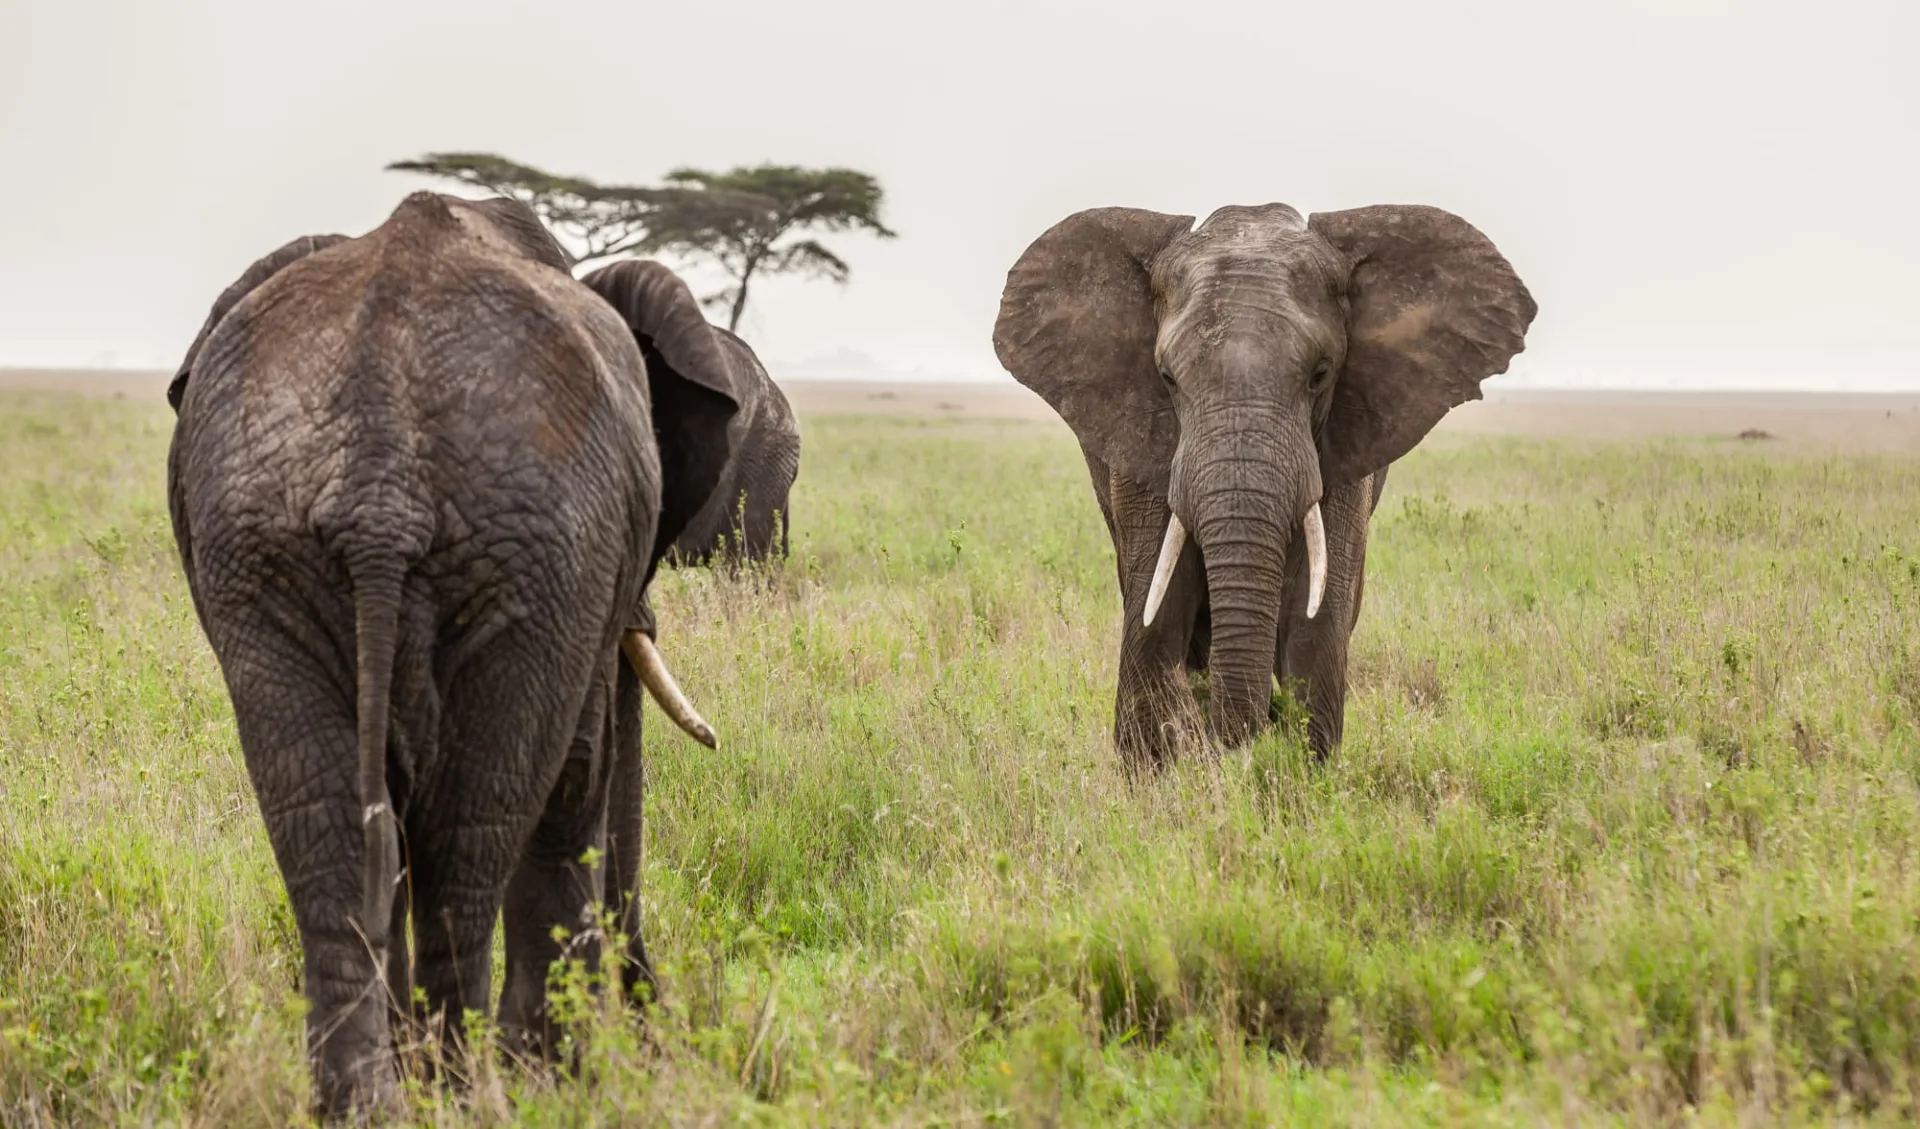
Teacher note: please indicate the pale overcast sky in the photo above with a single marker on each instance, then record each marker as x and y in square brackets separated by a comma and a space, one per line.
[1698, 192]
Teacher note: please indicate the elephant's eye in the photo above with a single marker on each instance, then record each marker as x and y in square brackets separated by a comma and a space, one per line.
[1166, 376]
[1321, 372]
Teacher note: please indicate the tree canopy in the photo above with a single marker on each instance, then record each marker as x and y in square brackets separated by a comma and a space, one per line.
[751, 221]
[747, 222]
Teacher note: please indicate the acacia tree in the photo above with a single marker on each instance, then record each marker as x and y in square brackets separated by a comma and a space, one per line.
[748, 222]
[603, 221]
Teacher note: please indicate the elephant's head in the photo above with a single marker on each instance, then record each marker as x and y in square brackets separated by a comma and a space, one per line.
[1241, 367]
[691, 378]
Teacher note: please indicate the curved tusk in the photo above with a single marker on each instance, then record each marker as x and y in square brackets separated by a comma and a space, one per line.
[659, 682]
[1176, 540]
[1316, 560]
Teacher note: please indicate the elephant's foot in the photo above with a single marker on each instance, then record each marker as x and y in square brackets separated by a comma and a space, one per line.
[357, 1087]
[527, 1032]
[350, 1049]
[537, 1044]
[1313, 716]
[1154, 726]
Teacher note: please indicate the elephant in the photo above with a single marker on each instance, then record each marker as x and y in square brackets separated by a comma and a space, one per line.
[419, 482]
[748, 516]
[1239, 389]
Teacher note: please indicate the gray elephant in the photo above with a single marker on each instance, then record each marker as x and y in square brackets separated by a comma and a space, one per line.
[748, 514]
[419, 481]
[1239, 389]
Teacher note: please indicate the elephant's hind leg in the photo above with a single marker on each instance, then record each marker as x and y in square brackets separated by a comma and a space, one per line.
[556, 887]
[502, 746]
[297, 729]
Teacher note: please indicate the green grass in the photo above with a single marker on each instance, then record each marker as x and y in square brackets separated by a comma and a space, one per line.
[1624, 831]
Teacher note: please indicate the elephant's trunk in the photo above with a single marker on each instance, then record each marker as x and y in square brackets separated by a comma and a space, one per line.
[1250, 504]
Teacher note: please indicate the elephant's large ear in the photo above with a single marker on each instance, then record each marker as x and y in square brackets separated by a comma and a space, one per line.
[247, 283]
[690, 376]
[1434, 310]
[1077, 325]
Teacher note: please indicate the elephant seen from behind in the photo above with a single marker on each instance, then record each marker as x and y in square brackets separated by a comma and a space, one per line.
[1239, 389]
[419, 481]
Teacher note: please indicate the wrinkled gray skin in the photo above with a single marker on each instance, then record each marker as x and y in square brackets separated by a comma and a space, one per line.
[748, 516]
[419, 482]
[1235, 374]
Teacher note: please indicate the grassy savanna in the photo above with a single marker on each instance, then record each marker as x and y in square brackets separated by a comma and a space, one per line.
[1624, 830]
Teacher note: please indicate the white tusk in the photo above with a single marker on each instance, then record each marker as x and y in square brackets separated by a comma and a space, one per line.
[1316, 560]
[1176, 540]
[659, 682]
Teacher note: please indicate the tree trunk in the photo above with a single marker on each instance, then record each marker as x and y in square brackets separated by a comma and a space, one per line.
[740, 296]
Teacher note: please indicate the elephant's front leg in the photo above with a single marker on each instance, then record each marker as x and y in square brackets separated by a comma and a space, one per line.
[1154, 708]
[555, 891]
[1311, 655]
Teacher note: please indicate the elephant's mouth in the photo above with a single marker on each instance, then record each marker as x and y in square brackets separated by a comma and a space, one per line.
[654, 675]
[1176, 540]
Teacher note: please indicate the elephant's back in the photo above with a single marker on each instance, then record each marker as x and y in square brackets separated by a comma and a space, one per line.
[479, 413]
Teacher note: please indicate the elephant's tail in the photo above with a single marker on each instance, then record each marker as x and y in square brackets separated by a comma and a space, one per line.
[377, 582]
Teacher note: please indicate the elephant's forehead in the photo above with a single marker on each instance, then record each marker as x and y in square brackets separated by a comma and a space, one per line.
[1239, 262]
[1265, 217]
